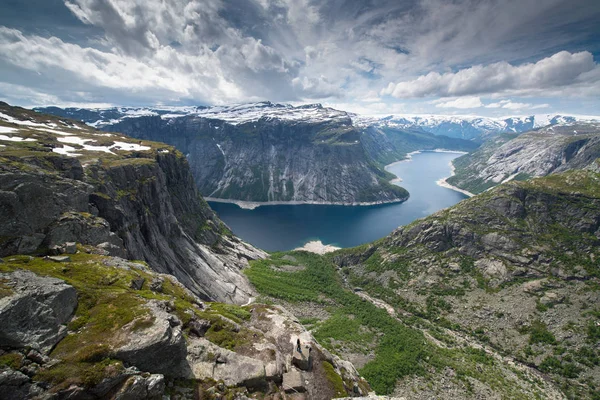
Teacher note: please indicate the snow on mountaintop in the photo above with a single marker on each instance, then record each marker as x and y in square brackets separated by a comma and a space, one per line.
[63, 137]
[460, 126]
[243, 113]
[232, 114]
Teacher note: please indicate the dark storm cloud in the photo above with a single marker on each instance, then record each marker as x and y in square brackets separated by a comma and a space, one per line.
[219, 51]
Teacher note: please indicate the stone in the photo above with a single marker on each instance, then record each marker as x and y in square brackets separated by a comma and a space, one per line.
[199, 327]
[174, 320]
[208, 360]
[159, 348]
[59, 258]
[293, 382]
[551, 298]
[70, 248]
[37, 357]
[157, 284]
[12, 378]
[136, 284]
[139, 387]
[301, 359]
[492, 269]
[533, 286]
[30, 244]
[50, 300]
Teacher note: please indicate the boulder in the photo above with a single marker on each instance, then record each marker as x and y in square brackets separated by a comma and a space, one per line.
[137, 284]
[208, 360]
[35, 312]
[157, 284]
[293, 382]
[199, 327]
[15, 385]
[70, 248]
[302, 359]
[139, 387]
[59, 258]
[534, 286]
[494, 270]
[159, 348]
[551, 298]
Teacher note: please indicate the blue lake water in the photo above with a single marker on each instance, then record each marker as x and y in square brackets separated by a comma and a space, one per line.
[285, 227]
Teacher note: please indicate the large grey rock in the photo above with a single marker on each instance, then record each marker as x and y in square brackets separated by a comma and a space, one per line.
[208, 360]
[35, 312]
[159, 348]
[15, 385]
[83, 228]
[293, 382]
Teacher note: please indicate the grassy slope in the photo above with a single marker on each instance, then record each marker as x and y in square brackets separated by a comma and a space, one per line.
[401, 349]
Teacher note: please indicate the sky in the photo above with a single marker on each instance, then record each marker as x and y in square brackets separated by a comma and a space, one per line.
[467, 57]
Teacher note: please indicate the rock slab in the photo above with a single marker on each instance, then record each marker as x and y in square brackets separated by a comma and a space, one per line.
[35, 312]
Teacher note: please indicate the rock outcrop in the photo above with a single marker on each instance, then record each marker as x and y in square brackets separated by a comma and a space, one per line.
[514, 269]
[127, 199]
[537, 153]
[34, 310]
[124, 343]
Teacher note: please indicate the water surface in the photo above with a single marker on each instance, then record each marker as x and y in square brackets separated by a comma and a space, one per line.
[285, 227]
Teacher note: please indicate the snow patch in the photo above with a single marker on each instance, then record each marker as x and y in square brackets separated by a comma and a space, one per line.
[16, 139]
[6, 129]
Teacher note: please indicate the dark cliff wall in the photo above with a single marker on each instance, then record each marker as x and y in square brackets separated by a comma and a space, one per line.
[272, 160]
[145, 207]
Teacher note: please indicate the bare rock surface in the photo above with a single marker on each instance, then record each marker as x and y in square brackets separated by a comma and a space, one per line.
[36, 311]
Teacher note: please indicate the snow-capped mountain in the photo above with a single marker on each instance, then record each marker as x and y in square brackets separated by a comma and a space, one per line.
[233, 114]
[471, 127]
[465, 127]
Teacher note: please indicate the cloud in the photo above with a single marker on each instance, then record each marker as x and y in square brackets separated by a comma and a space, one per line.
[342, 51]
[462, 102]
[510, 105]
[560, 70]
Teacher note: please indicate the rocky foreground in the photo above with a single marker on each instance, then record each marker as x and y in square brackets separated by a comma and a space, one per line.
[111, 263]
[85, 326]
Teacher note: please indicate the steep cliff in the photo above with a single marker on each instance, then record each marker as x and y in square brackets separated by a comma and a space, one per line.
[305, 159]
[265, 152]
[532, 154]
[61, 181]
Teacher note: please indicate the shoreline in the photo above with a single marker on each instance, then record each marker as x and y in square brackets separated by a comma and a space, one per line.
[251, 205]
[443, 183]
[317, 247]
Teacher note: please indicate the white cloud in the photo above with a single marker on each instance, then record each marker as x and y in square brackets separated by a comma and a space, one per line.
[561, 70]
[343, 51]
[461, 102]
[510, 105]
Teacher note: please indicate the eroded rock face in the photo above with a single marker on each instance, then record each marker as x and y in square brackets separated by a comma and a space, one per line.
[36, 310]
[141, 204]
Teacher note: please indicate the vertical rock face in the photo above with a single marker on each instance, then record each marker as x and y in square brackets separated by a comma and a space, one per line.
[271, 159]
[139, 203]
[35, 310]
